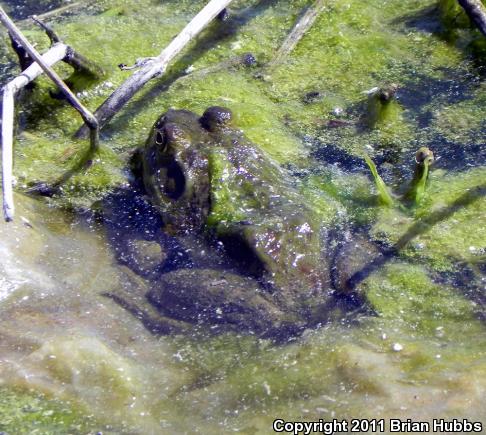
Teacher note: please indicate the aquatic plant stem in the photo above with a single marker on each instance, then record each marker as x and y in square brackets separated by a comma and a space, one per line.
[51, 34]
[423, 160]
[56, 53]
[302, 26]
[155, 67]
[87, 116]
[476, 13]
[384, 195]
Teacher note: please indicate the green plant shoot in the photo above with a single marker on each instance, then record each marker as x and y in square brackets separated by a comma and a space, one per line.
[384, 196]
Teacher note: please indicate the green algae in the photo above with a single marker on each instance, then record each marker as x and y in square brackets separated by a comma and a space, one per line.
[463, 122]
[446, 229]
[337, 370]
[350, 49]
[243, 98]
[452, 15]
[404, 294]
[224, 208]
[86, 176]
[333, 371]
[233, 197]
[23, 412]
[437, 325]
[458, 28]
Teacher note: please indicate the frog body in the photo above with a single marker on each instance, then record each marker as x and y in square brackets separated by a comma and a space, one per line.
[208, 180]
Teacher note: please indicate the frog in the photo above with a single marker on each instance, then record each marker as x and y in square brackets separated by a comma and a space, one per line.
[207, 180]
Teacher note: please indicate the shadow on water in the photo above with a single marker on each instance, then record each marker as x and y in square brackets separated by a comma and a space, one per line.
[132, 224]
[425, 20]
[420, 227]
[445, 26]
[467, 278]
[44, 189]
[459, 156]
[421, 89]
[22, 9]
[332, 154]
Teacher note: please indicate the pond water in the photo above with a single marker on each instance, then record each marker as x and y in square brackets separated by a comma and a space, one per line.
[73, 360]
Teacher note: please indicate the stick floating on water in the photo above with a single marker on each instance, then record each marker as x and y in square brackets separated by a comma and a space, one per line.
[476, 12]
[57, 52]
[156, 67]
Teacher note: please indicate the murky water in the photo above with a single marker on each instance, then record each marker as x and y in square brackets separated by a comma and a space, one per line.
[62, 338]
[73, 360]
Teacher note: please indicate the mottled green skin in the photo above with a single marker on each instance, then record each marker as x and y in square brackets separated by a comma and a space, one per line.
[206, 178]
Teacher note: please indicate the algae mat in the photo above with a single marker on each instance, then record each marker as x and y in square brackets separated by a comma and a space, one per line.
[420, 356]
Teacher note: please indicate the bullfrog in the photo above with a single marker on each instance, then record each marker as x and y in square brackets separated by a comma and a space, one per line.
[207, 180]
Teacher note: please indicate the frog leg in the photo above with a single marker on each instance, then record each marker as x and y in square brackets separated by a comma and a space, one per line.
[149, 317]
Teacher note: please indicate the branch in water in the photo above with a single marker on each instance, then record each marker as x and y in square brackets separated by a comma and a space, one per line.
[157, 66]
[56, 53]
[32, 52]
[81, 64]
[48, 29]
[476, 13]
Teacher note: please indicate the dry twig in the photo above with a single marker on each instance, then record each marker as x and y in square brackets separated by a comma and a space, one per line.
[73, 58]
[32, 52]
[57, 52]
[156, 67]
[476, 13]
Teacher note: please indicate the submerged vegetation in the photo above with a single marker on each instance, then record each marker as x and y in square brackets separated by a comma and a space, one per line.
[416, 190]
[344, 115]
[21, 412]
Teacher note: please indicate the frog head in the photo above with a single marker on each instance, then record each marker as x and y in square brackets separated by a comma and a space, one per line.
[175, 165]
